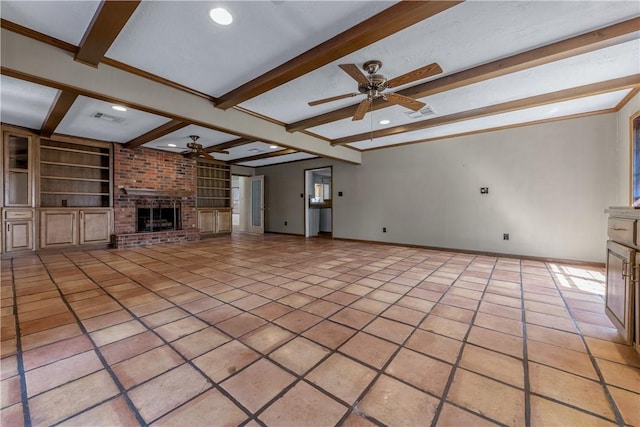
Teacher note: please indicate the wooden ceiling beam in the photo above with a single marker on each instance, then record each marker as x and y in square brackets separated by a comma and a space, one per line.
[153, 134]
[505, 107]
[109, 20]
[584, 43]
[229, 144]
[63, 102]
[264, 156]
[391, 20]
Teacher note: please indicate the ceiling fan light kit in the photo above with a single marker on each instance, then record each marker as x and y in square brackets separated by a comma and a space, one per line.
[374, 84]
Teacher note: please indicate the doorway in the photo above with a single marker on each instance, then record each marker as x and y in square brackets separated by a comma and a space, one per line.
[247, 203]
[318, 210]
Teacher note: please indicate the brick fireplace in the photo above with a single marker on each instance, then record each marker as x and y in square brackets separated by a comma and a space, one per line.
[144, 178]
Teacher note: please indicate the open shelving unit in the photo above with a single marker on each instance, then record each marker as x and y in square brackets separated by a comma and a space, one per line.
[213, 185]
[74, 175]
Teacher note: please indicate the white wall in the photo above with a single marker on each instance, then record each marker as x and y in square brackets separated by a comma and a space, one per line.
[623, 151]
[549, 185]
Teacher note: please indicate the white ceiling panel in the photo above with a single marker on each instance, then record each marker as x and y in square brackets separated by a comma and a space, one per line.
[246, 150]
[180, 138]
[279, 159]
[114, 126]
[610, 63]
[472, 33]
[64, 20]
[23, 103]
[544, 112]
[178, 41]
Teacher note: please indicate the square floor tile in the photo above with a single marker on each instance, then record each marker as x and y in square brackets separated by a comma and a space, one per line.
[434, 345]
[487, 397]
[258, 384]
[241, 324]
[171, 389]
[329, 334]
[303, 406]
[369, 349]
[299, 355]
[342, 377]
[267, 338]
[62, 371]
[298, 321]
[132, 372]
[200, 411]
[493, 364]
[389, 329]
[225, 360]
[420, 371]
[570, 389]
[546, 413]
[393, 403]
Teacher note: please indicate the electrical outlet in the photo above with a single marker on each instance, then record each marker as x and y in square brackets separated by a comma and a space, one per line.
[302, 195]
[339, 193]
[484, 190]
[384, 229]
[285, 223]
[505, 236]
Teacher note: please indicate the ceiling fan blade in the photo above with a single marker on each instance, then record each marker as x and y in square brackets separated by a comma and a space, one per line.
[418, 74]
[333, 98]
[355, 73]
[363, 107]
[404, 101]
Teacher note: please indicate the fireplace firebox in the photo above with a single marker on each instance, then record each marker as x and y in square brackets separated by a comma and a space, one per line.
[157, 215]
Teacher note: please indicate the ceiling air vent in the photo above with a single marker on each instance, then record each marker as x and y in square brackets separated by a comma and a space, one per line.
[108, 118]
[255, 150]
[427, 111]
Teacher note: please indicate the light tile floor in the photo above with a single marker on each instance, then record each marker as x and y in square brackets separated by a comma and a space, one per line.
[278, 330]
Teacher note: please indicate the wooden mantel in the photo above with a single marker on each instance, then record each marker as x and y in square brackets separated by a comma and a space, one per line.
[133, 191]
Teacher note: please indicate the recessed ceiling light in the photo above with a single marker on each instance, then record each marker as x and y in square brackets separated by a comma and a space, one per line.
[273, 146]
[118, 108]
[172, 145]
[385, 122]
[221, 16]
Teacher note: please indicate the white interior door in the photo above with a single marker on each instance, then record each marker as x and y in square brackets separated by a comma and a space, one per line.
[256, 218]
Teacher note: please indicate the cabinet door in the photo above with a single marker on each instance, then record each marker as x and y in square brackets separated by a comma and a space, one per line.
[18, 170]
[18, 235]
[95, 226]
[207, 221]
[636, 292]
[58, 228]
[619, 304]
[223, 221]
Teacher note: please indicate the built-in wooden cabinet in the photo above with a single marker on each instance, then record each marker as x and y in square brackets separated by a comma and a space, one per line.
[56, 192]
[18, 229]
[18, 162]
[68, 227]
[214, 221]
[622, 293]
[213, 201]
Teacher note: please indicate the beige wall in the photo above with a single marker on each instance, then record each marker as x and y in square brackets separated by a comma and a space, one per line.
[549, 185]
[623, 152]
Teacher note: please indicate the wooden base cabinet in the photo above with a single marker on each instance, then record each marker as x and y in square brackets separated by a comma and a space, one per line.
[18, 230]
[214, 221]
[622, 293]
[619, 304]
[70, 227]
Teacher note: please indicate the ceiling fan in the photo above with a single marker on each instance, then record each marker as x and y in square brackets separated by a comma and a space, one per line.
[373, 85]
[196, 151]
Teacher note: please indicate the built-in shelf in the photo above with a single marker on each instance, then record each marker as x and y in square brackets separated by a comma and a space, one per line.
[213, 185]
[75, 175]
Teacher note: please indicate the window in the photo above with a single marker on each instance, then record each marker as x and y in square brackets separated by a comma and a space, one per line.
[635, 159]
[322, 192]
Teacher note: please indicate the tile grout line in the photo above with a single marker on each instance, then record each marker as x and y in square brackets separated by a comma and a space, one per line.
[104, 363]
[26, 413]
[525, 354]
[616, 412]
[187, 361]
[456, 364]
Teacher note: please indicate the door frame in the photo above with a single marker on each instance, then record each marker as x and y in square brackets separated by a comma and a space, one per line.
[306, 192]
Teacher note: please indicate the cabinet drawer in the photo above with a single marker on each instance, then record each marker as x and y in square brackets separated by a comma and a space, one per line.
[622, 230]
[18, 214]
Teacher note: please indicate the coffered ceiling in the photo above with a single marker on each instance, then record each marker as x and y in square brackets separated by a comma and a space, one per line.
[245, 87]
